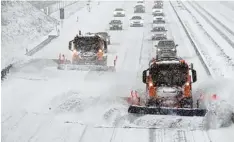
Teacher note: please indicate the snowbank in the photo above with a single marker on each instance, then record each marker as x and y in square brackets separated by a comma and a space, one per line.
[22, 24]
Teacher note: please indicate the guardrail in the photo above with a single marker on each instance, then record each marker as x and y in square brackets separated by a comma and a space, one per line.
[41, 45]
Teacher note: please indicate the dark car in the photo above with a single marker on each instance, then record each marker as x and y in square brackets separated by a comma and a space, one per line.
[116, 25]
[139, 9]
[166, 48]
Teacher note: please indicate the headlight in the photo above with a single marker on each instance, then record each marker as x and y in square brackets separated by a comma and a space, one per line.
[75, 52]
[150, 84]
[141, 22]
[158, 49]
[173, 49]
[187, 83]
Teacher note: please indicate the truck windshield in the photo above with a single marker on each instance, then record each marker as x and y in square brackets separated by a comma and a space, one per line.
[169, 74]
[85, 44]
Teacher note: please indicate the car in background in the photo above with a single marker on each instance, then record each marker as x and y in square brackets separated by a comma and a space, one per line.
[119, 12]
[136, 21]
[159, 33]
[139, 9]
[116, 25]
[166, 48]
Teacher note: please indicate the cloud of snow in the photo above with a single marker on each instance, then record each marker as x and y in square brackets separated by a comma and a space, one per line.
[220, 107]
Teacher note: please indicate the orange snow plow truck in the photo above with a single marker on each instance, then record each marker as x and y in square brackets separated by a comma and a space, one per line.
[89, 52]
[169, 89]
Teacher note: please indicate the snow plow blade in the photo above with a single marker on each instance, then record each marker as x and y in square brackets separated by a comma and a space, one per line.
[86, 67]
[167, 111]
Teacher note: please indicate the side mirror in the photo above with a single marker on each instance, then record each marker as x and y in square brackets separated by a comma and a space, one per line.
[176, 45]
[144, 76]
[191, 66]
[194, 75]
[70, 45]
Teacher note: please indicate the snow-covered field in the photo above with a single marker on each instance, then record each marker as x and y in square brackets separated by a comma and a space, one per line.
[22, 24]
[41, 103]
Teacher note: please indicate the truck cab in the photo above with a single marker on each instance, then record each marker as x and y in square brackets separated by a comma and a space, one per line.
[169, 82]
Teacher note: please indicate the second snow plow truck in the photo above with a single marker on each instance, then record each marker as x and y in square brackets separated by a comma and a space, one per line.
[169, 89]
[89, 53]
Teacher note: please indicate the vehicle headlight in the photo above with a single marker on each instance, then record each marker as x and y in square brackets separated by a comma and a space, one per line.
[159, 49]
[150, 84]
[141, 22]
[187, 83]
[173, 49]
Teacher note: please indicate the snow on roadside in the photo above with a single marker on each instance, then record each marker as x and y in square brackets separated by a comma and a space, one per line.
[219, 11]
[208, 47]
[22, 24]
[223, 37]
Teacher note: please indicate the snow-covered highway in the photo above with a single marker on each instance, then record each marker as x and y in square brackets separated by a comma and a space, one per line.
[41, 103]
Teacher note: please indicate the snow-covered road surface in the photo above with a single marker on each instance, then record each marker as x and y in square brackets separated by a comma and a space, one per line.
[41, 103]
[218, 59]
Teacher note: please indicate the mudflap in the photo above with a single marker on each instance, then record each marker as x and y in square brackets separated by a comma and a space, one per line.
[167, 111]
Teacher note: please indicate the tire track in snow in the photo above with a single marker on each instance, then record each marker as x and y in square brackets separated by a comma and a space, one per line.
[191, 40]
[217, 29]
[152, 135]
[83, 133]
[224, 55]
[227, 5]
[215, 19]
